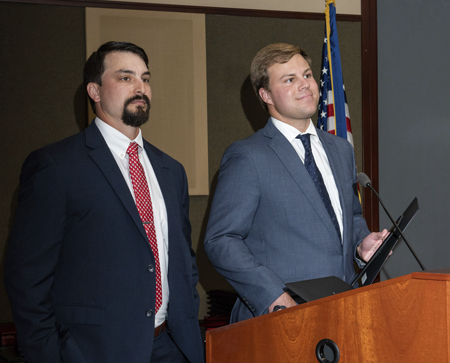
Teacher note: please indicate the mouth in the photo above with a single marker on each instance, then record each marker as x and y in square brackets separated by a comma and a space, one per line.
[138, 101]
[303, 97]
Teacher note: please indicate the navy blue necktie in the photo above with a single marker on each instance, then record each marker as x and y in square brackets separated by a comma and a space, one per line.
[316, 177]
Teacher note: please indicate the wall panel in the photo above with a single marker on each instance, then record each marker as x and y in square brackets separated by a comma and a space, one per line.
[42, 57]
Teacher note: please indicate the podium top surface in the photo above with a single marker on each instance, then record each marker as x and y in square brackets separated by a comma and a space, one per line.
[439, 274]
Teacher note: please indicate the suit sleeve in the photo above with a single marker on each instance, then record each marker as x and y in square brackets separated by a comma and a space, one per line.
[32, 257]
[360, 229]
[234, 207]
[187, 233]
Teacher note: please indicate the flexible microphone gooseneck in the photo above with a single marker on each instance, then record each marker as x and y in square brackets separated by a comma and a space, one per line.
[364, 180]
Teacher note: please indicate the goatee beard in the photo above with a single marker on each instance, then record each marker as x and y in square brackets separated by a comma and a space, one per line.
[138, 117]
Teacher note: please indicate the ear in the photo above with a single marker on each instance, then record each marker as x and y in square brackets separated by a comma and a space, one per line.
[265, 96]
[93, 90]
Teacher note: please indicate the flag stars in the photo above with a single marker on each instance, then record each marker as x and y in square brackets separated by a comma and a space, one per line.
[324, 71]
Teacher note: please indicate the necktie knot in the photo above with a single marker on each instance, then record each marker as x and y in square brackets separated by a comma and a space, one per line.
[133, 148]
[306, 141]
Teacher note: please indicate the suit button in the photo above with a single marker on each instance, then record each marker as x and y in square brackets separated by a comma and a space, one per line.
[151, 268]
[149, 313]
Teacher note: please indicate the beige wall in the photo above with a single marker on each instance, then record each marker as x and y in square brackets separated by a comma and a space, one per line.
[310, 6]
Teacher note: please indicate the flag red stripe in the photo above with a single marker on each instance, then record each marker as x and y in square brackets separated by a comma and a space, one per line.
[349, 126]
[330, 110]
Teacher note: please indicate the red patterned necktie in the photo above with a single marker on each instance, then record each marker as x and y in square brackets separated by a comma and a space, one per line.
[144, 207]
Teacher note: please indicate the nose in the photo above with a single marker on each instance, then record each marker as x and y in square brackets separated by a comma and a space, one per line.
[141, 87]
[303, 84]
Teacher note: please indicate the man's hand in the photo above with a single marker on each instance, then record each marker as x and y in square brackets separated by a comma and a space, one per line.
[370, 244]
[284, 300]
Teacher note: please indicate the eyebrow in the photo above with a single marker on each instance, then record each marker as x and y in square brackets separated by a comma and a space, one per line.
[294, 74]
[288, 75]
[128, 71]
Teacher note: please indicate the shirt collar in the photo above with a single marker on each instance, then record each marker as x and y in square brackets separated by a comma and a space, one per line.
[116, 141]
[290, 132]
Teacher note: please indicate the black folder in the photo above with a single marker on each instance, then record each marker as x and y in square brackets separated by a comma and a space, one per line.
[309, 290]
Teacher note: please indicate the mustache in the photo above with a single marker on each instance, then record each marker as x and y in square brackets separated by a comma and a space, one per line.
[138, 97]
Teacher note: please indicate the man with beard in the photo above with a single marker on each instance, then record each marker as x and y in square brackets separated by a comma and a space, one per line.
[101, 239]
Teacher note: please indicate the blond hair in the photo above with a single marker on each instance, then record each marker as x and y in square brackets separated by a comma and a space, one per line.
[267, 57]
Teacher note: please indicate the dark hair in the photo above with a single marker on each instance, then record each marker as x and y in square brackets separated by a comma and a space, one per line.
[95, 65]
[267, 57]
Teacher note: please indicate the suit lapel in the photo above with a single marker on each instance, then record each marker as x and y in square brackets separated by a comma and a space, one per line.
[102, 156]
[289, 157]
[335, 161]
[160, 170]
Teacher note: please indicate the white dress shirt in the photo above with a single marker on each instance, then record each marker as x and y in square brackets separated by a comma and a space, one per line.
[118, 144]
[320, 157]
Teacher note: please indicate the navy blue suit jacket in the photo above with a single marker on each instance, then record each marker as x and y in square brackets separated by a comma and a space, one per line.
[268, 224]
[77, 267]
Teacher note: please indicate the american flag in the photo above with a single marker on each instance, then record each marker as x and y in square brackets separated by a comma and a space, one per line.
[333, 115]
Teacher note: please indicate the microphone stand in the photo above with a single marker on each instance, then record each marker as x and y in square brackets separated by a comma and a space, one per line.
[369, 185]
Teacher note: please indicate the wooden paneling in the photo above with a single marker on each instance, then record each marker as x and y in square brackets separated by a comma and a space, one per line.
[191, 9]
[369, 79]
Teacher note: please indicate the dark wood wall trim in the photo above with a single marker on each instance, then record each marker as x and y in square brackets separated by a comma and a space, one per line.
[190, 9]
[369, 59]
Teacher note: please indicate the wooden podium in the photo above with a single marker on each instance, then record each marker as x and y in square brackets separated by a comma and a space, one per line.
[406, 319]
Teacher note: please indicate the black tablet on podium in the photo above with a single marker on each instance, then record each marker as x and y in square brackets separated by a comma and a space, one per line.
[309, 290]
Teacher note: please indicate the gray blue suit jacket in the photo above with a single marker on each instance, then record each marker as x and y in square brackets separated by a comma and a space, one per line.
[79, 265]
[268, 225]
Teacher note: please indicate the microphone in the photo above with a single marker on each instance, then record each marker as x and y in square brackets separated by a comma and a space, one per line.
[364, 180]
